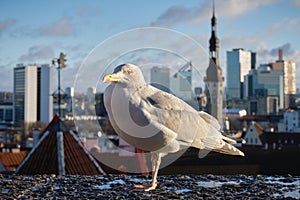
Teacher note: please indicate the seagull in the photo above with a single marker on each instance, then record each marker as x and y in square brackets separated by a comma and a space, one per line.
[158, 122]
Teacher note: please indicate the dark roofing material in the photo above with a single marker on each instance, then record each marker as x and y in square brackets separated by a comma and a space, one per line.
[281, 137]
[59, 152]
[12, 160]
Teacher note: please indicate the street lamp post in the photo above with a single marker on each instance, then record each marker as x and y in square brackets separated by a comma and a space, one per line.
[61, 63]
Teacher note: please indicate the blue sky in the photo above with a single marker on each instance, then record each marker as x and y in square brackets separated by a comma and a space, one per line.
[35, 31]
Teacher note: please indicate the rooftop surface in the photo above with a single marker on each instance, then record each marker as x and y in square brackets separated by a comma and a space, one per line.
[169, 187]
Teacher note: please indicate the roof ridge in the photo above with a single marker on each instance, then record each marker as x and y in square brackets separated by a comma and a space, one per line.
[64, 150]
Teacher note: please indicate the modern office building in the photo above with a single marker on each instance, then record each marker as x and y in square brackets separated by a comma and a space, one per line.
[160, 78]
[6, 97]
[6, 107]
[214, 78]
[70, 97]
[181, 83]
[44, 92]
[32, 93]
[289, 83]
[6, 112]
[273, 80]
[239, 63]
[90, 100]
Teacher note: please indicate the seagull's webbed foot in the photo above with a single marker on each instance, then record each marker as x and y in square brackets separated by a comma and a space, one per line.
[152, 187]
[142, 186]
[146, 187]
[156, 159]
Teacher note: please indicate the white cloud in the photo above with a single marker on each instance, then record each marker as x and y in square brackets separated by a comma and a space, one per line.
[230, 8]
[37, 53]
[174, 15]
[284, 25]
[296, 2]
[61, 27]
[87, 11]
[5, 24]
[7, 77]
[235, 8]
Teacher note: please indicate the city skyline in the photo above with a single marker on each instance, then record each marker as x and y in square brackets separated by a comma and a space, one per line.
[30, 34]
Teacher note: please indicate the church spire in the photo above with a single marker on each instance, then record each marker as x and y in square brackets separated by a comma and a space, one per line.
[214, 79]
[214, 41]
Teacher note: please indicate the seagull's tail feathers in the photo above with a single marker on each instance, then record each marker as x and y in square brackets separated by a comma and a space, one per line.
[220, 144]
[228, 149]
[228, 140]
[225, 146]
[210, 137]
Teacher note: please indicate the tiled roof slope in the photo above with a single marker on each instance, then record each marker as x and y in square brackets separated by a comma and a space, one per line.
[60, 152]
[12, 160]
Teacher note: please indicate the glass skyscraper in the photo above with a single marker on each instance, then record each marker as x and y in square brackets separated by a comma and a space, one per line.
[32, 93]
[239, 63]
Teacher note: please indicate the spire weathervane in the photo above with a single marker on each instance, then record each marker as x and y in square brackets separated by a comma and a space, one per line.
[213, 7]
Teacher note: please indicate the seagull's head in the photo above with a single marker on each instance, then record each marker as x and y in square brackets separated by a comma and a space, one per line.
[127, 74]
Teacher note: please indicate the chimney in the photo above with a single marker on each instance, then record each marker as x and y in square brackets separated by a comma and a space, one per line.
[280, 57]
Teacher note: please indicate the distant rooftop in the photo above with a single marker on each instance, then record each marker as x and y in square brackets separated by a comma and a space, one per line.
[59, 151]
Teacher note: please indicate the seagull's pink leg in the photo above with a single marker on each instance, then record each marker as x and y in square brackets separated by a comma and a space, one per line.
[155, 160]
[155, 163]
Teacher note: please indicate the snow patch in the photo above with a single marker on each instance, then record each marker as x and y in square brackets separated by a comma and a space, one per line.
[213, 184]
[292, 194]
[103, 187]
[183, 190]
[108, 185]
[138, 180]
[118, 181]
[279, 180]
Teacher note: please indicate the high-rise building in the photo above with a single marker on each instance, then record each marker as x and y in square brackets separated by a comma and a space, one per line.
[90, 95]
[25, 93]
[239, 63]
[214, 78]
[160, 78]
[6, 97]
[6, 112]
[32, 93]
[70, 96]
[90, 100]
[289, 82]
[6, 107]
[273, 80]
[181, 83]
[44, 92]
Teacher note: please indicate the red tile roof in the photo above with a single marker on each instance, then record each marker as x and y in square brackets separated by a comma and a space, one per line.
[12, 160]
[59, 151]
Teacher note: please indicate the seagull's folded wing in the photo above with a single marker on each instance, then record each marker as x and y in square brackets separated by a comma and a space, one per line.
[168, 113]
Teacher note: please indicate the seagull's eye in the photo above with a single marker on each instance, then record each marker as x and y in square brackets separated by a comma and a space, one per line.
[127, 70]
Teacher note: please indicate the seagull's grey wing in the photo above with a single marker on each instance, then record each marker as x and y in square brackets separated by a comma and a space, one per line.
[171, 113]
[198, 129]
[210, 120]
[164, 100]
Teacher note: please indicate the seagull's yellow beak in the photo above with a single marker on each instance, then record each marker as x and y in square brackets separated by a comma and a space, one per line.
[111, 78]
